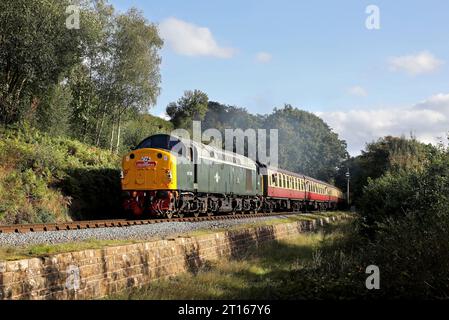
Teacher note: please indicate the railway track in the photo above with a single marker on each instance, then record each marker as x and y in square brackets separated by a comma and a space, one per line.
[92, 224]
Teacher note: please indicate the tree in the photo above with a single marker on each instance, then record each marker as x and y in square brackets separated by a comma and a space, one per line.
[387, 154]
[53, 113]
[143, 126]
[35, 50]
[133, 72]
[192, 106]
[306, 143]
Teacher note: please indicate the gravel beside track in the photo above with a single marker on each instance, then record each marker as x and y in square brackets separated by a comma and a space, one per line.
[138, 232]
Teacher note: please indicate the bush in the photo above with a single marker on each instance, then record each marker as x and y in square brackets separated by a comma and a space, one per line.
[422, 192]
[403, 228]
[44, 178]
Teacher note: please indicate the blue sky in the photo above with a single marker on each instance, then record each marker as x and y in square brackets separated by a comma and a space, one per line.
[315, 55]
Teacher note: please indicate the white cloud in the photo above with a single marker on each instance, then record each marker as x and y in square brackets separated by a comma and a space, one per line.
[420, 63]
[427, 120]
[163, 115]
[188, 39]
[263, 57]
[357, 91]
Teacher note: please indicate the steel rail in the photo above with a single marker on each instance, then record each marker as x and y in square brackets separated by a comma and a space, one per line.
[92, 224]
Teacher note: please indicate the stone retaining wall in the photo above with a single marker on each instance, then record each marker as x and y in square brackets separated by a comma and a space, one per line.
[97, 273]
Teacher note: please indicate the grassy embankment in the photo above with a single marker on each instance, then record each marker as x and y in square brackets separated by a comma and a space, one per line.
[54, 179]
[278, 270]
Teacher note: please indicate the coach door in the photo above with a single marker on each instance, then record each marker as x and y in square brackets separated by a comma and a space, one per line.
[194, 158]
[249, 180]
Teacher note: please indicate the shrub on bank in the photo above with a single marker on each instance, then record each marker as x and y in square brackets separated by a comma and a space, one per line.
[46, 179]
[402, 229]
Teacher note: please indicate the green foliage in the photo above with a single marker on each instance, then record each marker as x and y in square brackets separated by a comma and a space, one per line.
[306, 143]
[35, 49]
[53, 112]
[43, 178]
[192, 106]
[84, 82]
[388, 154]
[136, 130]
[403, 227]
[423, 191]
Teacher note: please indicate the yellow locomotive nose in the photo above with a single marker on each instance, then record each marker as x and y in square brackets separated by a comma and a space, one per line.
[149, 169]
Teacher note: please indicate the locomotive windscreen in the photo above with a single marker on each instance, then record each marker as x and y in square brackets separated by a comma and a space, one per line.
[159, 141]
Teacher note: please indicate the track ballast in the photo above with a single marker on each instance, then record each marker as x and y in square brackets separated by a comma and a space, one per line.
[93, 224]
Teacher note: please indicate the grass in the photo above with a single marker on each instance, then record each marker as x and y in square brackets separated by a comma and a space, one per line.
[262, 273]
[270, 222]
[54, 179]
[42, 250]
